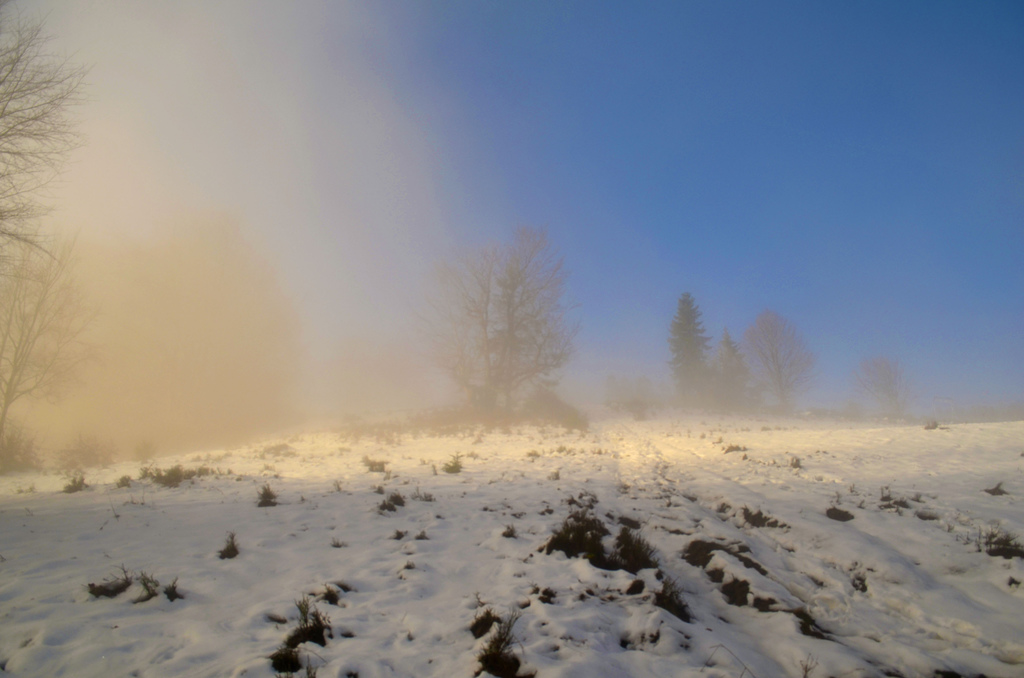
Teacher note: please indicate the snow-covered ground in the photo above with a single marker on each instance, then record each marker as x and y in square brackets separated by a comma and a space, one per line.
[896, 591]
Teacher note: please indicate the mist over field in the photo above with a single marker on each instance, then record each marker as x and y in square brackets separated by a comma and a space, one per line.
[194, 342]
[522, 340]
[263, 198]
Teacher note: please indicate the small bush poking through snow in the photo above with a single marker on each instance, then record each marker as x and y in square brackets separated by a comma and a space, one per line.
[482, 622]
[510, 532]
[997, 542]
[75, 484]
[670, 599]
[314, 626]
[375, 465]
[579, 535]
[632, 552]
[124, 481]
[267, 497]
[230, 549]
[337, 543]
[150, 588]
[422, 496]
[172, 592]
[496, 658]
[453, 465]
[286, 660]
[111, 588]
[392, 503]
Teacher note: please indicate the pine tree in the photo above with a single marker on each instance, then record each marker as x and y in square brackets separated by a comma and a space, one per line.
[688, 345]
[731, 375]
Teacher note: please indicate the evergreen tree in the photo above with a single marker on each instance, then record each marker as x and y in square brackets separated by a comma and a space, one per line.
[731, 374]
[688, 345]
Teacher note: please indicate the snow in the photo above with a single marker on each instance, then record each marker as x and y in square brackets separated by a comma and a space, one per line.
[930, 600]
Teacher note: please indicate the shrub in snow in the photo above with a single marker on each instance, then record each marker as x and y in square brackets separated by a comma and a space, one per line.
[422, 496]
[285, 660]
[580, 535]
[670, 599]
[1000, 543]
[453, 465]
[632, 552]
[150, 588]
[17, 451]
[482, 622]
[267, 497]
[75, 484]
[230, 549]
[172, 592]
[394, 500]
[374, 465]
[112, 587]
[496, 657]
[314, 626]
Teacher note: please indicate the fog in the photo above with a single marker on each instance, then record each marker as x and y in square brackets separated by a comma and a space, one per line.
[263, 192]
[253, 211]
[194, 342]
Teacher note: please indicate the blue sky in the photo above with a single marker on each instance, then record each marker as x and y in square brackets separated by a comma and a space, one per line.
[856, 167]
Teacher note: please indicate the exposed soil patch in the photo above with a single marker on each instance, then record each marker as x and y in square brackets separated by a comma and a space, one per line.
[997, 491]
[699, 552]
[838, 514]
[760, 519]
[808, 626]
[736, 592]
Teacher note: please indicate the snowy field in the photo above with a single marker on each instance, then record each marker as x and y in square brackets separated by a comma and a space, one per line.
[772, 585]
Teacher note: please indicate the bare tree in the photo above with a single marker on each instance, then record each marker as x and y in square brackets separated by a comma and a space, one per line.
[36, 134]
[779, 359]
[884, 381]
[497, 322]
[42, 319]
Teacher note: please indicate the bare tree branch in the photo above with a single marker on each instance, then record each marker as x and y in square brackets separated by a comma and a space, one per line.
[779, 359]
[36, 133]
[42, 319]
[883, 380]
[497, 322]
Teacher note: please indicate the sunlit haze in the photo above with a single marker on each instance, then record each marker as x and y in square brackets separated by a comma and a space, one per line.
[857, 168]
